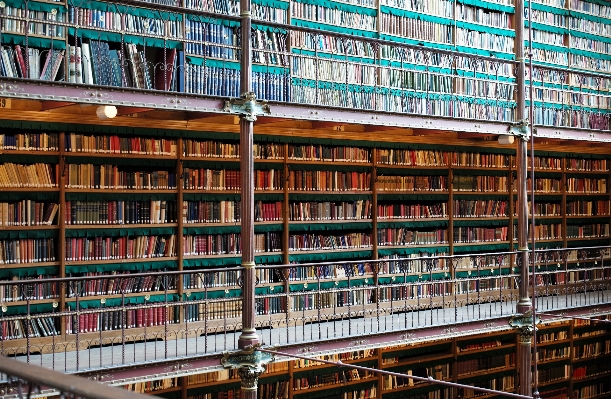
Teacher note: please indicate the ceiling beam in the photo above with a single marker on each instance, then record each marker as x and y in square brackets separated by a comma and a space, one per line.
[124, 111]
[49, 105]
[210, 117]
[328, 125]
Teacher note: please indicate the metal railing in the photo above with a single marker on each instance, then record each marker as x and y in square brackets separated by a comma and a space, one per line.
[21, 380]
[94, 321]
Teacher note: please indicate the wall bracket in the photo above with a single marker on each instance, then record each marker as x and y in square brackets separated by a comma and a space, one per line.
[247, 106]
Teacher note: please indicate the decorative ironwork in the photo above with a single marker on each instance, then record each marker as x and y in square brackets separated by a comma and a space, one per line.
[247, 106]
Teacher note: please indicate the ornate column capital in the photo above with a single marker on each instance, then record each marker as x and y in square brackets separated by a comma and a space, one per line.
[525, 325]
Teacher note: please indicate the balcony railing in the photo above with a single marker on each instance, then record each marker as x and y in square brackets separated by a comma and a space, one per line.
[96, 320]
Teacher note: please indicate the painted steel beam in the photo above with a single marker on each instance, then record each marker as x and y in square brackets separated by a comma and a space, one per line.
[122, 97]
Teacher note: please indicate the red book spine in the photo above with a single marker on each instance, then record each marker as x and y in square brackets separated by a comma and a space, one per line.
[140, 317]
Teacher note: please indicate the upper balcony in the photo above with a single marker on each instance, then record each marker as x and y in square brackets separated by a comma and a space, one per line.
[307, 63]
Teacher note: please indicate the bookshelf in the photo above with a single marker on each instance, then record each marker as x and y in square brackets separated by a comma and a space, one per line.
[115, 203]
[565, 350]
[192, 47]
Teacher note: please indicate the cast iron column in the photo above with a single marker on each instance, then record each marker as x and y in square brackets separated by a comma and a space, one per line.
[249, 335]
[524, 305]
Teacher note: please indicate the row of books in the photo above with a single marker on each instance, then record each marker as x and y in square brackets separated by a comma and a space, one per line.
[481, 208]
[330, 44]
[591, 350]
[403, 293]
[214, 311]
[38, 289]
[333, 16]
[198, 33]
[545, 336]
[480, 345]
[412, 183]
[230, 243]
[589, 44]
[556, 373]
[215, 6]
[120, 212]
[298, 273]
[547, 163]
[209, 179]
[321, 180]
[401, 102]
[588, 165]
[303, 211]
[219, 211]
[27, 250]
[506, 383]
[213, 376]
[91, 176]
[35, 25]
[313, 242]
[586, 208]
[114, 248]
[152, 386]
[273, 46]
[225, 82]
[409, 211]
[586, 185]
[329, 300]
[495, 184]
[333, 71]
[570, 118]
[313, 152]
[41, 64]
[36, 327]
[479, 234]
[36, 175]
[341, 377]
[485, 363]
[551, 209]
[591, 8]
[546, 17]
[220, 149]
[540, 36]
[483, 89]
[438, 372]
[588, 231]
[267, 306]
[112, 286]
[417, 29]
[118, 319]
[547, 353]
[593, 390]
[414, 80]
[589, 26]
[344, 356]
[76, 142]
[406, 236]
[410, 157]
[124, 22]
[29, 141]
[477, 159]
[484, 284]
[544, 231]
[484, 40]
[442, 8]
[483, 16]
[213, 279]
[27, 213]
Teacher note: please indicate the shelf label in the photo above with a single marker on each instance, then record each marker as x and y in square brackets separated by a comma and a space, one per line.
[5, 103]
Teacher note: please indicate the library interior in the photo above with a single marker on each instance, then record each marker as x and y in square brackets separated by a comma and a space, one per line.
[302, 199]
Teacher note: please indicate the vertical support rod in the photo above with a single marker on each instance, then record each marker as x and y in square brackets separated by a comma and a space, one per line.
[524, 305]
[249, 335]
